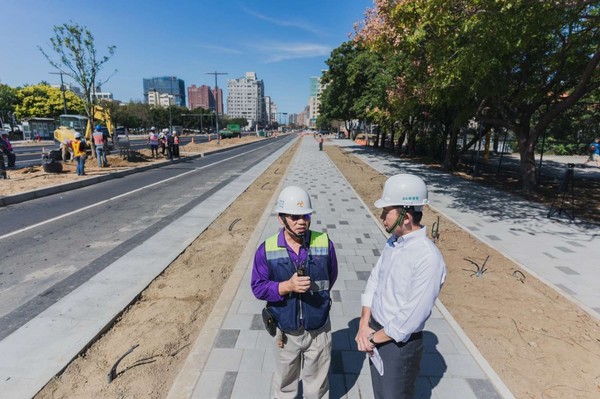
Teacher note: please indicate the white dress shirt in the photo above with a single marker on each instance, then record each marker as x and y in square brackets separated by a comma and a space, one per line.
[404, 284]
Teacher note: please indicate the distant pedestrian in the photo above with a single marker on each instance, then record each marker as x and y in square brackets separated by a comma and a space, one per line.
[320, 141]
[153, 141]
[294, 271]
[170, 142]
[175, 145]
[401, 291]
[162, 141]
[79, 150]
[7, 149]
[100, 143]
[594, 150]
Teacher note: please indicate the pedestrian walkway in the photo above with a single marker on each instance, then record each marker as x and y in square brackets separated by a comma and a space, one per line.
[233, 355]
[562, 254]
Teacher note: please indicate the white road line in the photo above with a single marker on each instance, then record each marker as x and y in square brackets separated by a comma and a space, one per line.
[123, 195]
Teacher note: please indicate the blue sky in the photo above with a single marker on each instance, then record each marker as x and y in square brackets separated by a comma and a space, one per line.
[284, 41]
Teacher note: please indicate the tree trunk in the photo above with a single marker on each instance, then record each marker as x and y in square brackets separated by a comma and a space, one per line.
[527, 142]
[450, 158]
[412, 141]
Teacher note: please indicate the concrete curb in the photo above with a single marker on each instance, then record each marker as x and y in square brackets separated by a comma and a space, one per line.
[61, 188]
[483, 363]
[186, 380]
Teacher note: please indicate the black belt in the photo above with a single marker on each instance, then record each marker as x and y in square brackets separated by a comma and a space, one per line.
[376, 326]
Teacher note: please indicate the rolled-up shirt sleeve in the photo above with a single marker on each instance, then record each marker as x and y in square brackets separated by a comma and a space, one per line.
[262, 287]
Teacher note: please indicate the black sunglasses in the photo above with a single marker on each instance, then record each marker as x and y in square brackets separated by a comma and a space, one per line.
[298, 217]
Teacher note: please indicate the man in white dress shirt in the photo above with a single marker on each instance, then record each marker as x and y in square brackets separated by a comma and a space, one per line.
[401, 290]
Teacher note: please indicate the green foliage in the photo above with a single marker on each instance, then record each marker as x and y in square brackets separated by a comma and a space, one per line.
[78, 58]
[46, 102]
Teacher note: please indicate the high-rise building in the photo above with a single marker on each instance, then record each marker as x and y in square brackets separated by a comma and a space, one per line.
[246, 99]
[314, 100]
[169, 85]
[200, 97]
[218, 96]
[269, 109]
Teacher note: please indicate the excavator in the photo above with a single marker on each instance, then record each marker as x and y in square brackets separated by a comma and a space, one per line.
[69, 124]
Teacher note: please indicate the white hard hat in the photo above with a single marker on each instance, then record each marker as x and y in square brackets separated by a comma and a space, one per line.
[153, 128]
[404, 190]
[293, 201]
[77, 135]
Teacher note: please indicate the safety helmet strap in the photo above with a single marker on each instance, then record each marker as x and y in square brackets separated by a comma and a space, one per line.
[398, 221]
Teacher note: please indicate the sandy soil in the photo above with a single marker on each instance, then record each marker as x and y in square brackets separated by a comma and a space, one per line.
[32, 178]
[540, 344]
[167, 318]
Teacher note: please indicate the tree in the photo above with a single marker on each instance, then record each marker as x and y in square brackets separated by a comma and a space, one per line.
[517, 65]
[45, 101]
[78, 58]
[8, 102]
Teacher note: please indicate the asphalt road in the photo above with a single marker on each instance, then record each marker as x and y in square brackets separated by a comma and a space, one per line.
[32, 154]
[52, 245]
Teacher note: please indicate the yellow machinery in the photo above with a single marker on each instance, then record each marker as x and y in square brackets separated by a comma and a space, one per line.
[69, 124]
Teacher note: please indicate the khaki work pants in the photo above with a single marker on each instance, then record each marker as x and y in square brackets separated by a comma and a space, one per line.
[306, 355]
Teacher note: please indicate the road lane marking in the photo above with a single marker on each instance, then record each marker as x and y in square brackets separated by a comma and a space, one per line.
[125, 194]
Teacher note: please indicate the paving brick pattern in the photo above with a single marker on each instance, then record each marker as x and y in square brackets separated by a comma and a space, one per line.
[240, 363]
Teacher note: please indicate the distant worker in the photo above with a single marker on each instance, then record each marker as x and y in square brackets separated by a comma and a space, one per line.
[7, 149]
[294, 271]
[175, 145]
[320, 141]
[66, 150]
[153, 141]
[162, 141]
[170, 141]
[594, 150]
[79, 150]
[401, 291]
[100, 143]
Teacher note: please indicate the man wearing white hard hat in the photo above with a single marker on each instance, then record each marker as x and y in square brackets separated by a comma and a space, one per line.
[294, 271]
[401, 290]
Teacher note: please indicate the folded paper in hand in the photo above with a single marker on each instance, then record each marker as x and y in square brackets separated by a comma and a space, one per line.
[376, 360]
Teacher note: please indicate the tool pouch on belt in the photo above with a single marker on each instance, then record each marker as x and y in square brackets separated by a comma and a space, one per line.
[270, 322]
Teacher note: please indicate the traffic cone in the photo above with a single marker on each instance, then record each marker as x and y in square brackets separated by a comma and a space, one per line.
[193, 142]
[209, 137]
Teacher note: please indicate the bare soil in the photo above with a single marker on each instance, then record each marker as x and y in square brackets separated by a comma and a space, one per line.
[541, 344]
[33, 178]
[170, 313]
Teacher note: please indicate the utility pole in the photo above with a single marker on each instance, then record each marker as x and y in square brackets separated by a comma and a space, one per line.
[217, 102]
[62, 88]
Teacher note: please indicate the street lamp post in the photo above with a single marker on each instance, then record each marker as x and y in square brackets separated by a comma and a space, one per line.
[62, 88]
[217, 102]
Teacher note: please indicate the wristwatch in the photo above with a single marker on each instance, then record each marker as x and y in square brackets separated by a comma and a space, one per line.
[371, 338]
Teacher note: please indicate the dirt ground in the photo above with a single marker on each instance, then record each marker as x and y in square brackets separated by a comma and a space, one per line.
[33, 178]
[541, 344]
[170, 313]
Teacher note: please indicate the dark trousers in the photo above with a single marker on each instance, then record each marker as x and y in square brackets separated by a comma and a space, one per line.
[176, 150]
[401, 366]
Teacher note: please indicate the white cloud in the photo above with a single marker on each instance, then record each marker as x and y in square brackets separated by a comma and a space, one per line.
[276, 51]
[285, 23]
[220, 49]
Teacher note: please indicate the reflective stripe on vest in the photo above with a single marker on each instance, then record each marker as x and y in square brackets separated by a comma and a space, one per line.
[315, 303]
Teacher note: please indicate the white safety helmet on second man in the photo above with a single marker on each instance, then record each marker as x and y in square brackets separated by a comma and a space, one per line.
[293, 201]
[77, 135]
[404, 190]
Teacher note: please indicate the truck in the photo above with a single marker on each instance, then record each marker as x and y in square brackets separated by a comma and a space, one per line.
[233, 130]
[69, 124]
